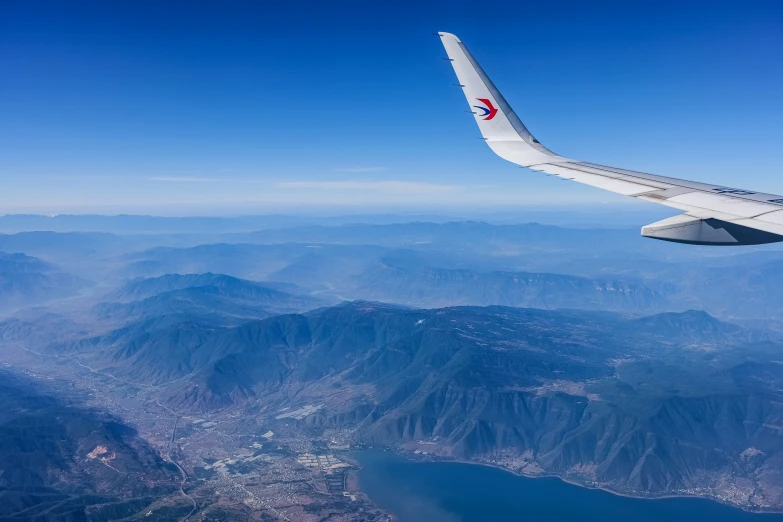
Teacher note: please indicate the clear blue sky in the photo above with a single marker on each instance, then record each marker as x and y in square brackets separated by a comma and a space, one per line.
[203, 107]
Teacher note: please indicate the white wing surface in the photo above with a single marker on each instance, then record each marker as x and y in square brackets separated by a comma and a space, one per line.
[714, 215]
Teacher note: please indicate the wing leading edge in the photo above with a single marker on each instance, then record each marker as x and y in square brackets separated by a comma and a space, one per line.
[714, 215]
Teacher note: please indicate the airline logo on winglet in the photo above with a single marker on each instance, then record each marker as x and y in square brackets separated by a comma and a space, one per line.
[489, 110]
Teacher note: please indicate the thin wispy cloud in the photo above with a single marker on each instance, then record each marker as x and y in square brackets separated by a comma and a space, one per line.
[360, 169]
[408, 187]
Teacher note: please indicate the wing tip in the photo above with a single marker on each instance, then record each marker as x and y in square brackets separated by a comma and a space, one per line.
[443, 34]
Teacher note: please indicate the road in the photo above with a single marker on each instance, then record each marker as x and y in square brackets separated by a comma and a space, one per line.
[168, 457]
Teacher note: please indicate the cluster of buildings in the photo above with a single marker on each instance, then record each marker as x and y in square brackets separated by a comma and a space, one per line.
[326, 463]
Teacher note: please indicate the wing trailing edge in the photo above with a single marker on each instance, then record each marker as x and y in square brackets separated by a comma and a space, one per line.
[697, 231]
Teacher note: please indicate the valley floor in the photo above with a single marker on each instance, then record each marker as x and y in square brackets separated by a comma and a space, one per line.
[256, 460]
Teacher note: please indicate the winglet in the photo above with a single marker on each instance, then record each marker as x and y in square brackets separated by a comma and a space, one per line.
[499, 125]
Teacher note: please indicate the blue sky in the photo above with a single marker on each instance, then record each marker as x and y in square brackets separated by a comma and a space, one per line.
[235, 107]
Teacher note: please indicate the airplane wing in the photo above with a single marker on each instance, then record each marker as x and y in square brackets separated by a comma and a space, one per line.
[714, 215]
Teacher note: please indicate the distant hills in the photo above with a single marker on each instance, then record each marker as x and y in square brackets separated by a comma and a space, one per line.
[53, 245]
[429, 264]
[300, 263]
[427, 286]
[141, 224]
[442, 264]
[141, 288]
[406, 277]
[220, 297]
[26, 280]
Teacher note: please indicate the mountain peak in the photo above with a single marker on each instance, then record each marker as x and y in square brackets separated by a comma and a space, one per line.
[689, 321]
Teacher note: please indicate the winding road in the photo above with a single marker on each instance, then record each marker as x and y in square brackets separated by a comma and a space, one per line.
[168, 458]
[167, 455]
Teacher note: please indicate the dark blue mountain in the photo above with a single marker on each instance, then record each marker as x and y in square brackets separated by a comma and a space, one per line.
[63, 462]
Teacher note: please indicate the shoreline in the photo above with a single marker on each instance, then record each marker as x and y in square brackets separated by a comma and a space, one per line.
[776, 511]
[437, 459]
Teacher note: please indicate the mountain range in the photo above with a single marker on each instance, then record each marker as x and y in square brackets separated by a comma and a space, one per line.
[26, 280]
[428, 286]
[220, 297]
[663, 403]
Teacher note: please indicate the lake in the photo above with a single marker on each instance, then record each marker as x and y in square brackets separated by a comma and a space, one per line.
[451, 492]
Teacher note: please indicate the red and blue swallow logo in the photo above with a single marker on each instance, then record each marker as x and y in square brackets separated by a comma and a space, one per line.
[489, 110]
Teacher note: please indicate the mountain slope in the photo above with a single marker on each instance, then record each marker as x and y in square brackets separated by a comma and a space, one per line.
[142, 288]
[26, 281]
[591, 396]
[426, 286]
[218, 298]
[61, 462]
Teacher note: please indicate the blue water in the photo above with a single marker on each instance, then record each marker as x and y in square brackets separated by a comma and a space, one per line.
[452, 492]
